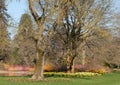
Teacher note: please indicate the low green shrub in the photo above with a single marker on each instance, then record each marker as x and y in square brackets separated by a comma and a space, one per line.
[71, 75]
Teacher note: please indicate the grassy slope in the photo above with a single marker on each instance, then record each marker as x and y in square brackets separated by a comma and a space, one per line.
[107, 79]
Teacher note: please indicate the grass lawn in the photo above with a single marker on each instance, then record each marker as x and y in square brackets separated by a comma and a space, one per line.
[106, 79]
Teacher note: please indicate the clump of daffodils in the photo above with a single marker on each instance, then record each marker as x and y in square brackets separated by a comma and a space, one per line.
[78, 75]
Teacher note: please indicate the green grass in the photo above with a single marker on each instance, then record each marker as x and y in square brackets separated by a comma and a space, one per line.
[106, 79]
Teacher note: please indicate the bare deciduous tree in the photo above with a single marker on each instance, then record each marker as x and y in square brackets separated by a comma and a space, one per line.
[42, 12]
[79, 19]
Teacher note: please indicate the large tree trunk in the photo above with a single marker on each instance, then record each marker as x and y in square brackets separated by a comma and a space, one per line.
[38, 75]
[118, 66]
[83, 57]
[70, 63]
[40, 46]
